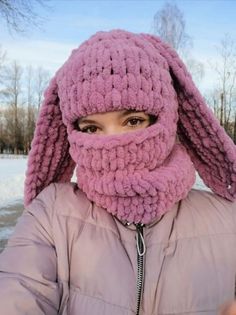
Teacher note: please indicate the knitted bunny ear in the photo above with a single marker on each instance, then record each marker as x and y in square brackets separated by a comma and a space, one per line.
[49, 160]
[210, 148]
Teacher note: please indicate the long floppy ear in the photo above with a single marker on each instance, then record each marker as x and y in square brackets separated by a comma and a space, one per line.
[210, 148]
[49, 160]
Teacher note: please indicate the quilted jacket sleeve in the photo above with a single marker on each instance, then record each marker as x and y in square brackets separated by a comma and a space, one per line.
[28, 265]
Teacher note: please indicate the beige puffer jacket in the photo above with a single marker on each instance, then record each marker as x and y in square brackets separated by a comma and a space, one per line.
[69, 257]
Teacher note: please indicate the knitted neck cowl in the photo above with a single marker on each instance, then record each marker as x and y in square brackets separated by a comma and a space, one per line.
[136, 176]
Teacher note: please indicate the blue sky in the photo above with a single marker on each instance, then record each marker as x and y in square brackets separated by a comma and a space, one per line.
[68, 23]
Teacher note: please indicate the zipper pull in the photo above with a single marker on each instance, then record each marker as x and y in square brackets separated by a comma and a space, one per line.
[141, 250]
[140, 243]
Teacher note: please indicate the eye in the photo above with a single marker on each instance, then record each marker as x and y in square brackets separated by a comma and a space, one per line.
[134, 121]
[89, 129]
[152, 120]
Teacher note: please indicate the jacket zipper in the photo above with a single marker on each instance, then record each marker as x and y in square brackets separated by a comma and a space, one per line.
[141, 249]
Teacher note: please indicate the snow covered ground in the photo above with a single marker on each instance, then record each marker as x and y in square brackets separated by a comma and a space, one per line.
[12, 175]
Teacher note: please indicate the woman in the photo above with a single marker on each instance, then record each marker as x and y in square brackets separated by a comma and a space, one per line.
[131, 236]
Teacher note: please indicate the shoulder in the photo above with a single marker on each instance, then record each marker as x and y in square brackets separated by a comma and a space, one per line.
[203, 212]
[60, 198]
[201, 198]
[207, 201]
[63, 201]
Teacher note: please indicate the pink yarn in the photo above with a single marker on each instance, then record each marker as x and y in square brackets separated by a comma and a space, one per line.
[137, 176]
[119, 70]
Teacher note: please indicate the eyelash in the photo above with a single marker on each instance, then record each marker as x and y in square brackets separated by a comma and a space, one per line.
[137, 119]
[86, 129]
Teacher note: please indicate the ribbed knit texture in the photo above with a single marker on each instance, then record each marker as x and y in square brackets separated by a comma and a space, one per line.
[120, 70]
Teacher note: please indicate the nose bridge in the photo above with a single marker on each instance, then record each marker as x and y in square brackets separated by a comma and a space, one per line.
[112, 128]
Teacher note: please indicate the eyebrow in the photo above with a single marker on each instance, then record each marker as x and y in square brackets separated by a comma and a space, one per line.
[130, 111]
[86, 121]
[125, 113]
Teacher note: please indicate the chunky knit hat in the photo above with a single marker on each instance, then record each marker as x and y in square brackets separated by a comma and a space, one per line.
[120, 70]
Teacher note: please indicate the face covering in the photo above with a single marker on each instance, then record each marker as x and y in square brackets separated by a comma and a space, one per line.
[136, 176]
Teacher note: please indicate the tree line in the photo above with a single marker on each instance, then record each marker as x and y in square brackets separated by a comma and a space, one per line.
[222, 98]
[21, 93]
[21, 89]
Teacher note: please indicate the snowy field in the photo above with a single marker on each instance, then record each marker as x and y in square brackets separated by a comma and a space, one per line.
[12, 175]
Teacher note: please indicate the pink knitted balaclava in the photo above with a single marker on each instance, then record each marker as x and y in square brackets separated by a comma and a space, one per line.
[139, 175]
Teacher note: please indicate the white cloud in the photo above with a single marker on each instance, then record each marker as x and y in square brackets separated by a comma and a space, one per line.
[49, 55]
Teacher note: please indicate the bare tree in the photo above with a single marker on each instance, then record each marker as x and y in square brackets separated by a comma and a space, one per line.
[2, 57]
[225, 70]
[41, 81]
[22, 95]
[19, 15]
[36, 81]
[234, 129]
[12, 94]
[7, 136]
[30, 121]
[2, 62]
[195, 67]
[169, 24]
[2, 131]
